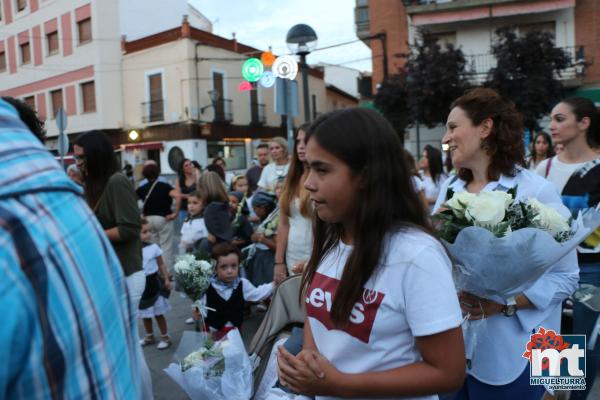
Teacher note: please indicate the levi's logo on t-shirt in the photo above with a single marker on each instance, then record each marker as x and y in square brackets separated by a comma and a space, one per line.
[319, 300]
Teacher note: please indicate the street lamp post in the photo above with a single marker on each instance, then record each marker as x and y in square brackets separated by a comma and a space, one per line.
[301, 40]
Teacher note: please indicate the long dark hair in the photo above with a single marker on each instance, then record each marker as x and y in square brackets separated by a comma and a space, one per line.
[100, 164]
[582, 107]
[504, 144]
[181, 174]
[387, 201]
[293, 186]
[549, 152]
[434, 159]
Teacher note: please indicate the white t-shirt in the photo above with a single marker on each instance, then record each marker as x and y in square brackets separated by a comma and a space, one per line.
[271, 174]
[149, 254]
[418, 183]
[191, 231]
[432, 189]
[559, 173]
[410, 294]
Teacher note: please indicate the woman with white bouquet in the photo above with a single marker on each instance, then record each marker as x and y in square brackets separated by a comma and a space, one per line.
[484, 134]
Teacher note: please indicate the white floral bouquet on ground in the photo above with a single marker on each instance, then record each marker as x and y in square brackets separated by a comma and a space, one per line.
[215, 370]
[192, 276]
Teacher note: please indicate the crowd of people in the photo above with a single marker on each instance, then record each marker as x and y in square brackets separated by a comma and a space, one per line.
[347, 208]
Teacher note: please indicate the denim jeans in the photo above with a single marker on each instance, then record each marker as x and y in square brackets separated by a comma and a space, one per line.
[584, 320]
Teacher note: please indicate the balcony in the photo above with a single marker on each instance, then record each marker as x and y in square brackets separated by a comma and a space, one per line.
[430, 12]
[153, 111]
[224, 110]
[361, 19]
[478, 66]
[258, 114]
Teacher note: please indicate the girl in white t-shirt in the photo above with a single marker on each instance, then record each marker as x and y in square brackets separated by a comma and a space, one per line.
[277, 169]
[383, 318]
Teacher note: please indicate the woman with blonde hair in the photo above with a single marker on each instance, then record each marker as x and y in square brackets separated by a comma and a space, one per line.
[216, 210]
[277, 169]
[294, 233]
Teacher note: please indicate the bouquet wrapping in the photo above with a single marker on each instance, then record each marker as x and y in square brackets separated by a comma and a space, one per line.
[212, 370]
[500, 246]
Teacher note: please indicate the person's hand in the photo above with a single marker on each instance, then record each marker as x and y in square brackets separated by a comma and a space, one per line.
[195, 314]
[478, 307]
[168, 283]
[212, 238]
[253, 218]
[308, 373]
[171, 217]
[299, 267]
[279, 274]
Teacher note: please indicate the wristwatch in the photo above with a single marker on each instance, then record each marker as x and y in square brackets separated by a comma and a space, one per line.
[510, 308]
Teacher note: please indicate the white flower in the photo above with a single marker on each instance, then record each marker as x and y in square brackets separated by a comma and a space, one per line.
[459, 202]
[488, 208]
[548, 218]
[205, 266]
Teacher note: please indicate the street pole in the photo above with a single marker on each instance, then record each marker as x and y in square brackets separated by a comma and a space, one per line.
[418, 140]
[305, 87]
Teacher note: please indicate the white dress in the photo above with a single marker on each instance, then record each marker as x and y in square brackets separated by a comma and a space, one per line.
[299, 244]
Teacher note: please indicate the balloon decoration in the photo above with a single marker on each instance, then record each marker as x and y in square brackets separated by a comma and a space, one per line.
[245, 86]
[285, 67]
[267, 80]
[252, 70]
[267, 58]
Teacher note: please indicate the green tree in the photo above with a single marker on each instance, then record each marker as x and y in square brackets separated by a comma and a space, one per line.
[435, 78]
[527, 72]
[390, 100]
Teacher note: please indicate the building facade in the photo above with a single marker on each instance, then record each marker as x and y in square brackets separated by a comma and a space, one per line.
[112, 71]
[471, 25]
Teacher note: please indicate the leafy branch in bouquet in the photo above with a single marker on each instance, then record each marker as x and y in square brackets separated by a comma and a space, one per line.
[449, 225]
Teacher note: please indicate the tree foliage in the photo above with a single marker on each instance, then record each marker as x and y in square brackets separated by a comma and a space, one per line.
[390, 100]
[527, 72]
[433, 77]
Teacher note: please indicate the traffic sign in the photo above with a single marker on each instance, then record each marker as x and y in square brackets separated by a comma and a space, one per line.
[63, 140]
[61, 119]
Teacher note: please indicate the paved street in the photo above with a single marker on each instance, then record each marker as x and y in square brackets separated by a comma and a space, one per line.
[164, 388]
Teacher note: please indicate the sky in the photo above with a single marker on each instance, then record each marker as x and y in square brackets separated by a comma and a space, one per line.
[264, 23]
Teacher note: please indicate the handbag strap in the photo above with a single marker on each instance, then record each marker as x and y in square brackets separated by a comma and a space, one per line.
[149, 192]
[548, 165]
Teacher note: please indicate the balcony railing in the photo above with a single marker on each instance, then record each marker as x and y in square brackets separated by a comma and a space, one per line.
[361, 19]
[258, 114]
[153, 111]
[478, 65]
[224, 110]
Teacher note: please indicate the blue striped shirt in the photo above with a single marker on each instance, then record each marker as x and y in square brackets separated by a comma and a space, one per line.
[66, 330]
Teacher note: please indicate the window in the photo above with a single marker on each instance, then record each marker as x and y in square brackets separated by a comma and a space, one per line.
[57, 101]
[52, 39]
[155, 107]
[84, 27]
[232, 151]
[30, 101]
[21, 5]
[25, 53]
[89, 97]
[2, 61]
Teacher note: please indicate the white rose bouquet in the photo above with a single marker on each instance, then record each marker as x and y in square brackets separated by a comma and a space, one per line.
[500, 246]
[208, 369]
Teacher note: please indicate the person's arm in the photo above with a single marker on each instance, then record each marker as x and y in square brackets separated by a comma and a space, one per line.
[163, 272]
[123, 202]
[253, 293]
[441, 370]
[283, 230]
[270, 243]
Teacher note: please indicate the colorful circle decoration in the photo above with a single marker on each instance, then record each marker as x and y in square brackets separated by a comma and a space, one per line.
[252, 69]
[267, 58]
[267, 80]
[243, 86]
[285, 67]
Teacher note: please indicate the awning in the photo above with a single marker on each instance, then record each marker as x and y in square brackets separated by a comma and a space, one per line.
[143, 146]
[490, 11]
[592, 94]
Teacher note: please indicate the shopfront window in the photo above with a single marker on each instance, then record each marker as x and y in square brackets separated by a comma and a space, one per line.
[233, 152]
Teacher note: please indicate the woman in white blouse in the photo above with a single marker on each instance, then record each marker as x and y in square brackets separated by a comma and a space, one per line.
[277, 169]
[484, 138]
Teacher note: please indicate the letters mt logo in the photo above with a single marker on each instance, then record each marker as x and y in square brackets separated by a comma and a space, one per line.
[319, 300]
[557, 361]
